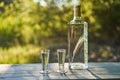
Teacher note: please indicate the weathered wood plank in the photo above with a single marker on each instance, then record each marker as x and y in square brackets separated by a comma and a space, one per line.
[32, 72]
[105, 70]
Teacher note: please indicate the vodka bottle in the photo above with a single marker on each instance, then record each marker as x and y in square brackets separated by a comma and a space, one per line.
[78, 41]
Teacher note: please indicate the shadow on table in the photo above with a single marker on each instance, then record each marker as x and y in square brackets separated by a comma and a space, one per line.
[46, 77]
[64, 76]
[26, 72]
[75, 75]
[96, 76]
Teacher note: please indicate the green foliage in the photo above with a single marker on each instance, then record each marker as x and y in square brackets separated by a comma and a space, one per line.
[103, 17]
[20, 55]
[109, 13]
[24, 22]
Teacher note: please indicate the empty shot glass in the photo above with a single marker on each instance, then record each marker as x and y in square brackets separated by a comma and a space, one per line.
[61, 60]
[45, 61]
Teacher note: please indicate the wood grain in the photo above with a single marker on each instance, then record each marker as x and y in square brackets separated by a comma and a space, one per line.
[106, 70]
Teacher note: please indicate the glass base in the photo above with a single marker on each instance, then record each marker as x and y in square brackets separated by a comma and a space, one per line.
[44, 72]
[61, 71]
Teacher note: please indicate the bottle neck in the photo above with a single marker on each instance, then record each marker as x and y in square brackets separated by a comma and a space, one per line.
[77, 12]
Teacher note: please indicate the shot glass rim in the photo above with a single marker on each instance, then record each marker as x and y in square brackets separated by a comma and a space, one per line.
[61, 50]
[46, 51]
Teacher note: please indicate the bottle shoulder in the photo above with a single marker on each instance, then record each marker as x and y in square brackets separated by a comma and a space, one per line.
[77, 21]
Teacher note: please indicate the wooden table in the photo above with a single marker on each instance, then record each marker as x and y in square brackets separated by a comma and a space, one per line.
[105, 70]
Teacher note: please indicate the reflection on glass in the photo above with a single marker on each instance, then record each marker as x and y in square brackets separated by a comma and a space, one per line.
[61, 60]
[45, 61]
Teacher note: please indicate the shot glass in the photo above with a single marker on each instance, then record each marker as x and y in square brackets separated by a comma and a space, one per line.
[45, 61]
[61, 60]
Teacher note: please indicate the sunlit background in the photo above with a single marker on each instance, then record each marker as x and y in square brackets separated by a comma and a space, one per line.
[28, 26]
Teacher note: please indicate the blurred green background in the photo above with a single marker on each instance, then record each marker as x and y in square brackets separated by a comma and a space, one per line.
[27, 26]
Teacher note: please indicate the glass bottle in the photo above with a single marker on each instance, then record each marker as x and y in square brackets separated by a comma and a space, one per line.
[78, 41]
